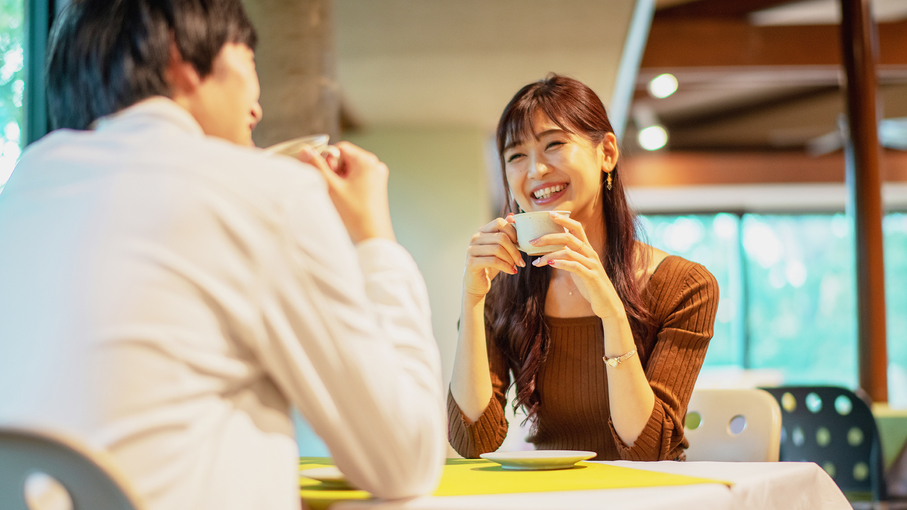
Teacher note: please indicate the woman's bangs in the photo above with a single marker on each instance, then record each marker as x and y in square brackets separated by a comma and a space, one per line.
[518, 125]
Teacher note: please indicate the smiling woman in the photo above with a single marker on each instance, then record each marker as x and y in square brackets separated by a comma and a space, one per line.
[605, 337]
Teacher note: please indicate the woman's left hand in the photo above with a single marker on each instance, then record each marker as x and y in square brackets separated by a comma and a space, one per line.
[584, 265]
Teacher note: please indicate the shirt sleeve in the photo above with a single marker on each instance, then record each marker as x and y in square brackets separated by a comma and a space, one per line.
[673, 366]
[348, 338]
[471, 439]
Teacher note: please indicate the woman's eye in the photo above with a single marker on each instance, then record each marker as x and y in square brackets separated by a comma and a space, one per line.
[514, 157]
[554, 144]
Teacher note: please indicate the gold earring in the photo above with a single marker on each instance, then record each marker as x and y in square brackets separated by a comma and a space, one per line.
[609, 181]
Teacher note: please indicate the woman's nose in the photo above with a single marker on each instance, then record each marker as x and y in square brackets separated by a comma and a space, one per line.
[539, 168]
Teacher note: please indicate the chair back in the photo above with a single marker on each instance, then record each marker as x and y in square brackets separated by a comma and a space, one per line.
[733, 425]
[90, 478]
[834, 428]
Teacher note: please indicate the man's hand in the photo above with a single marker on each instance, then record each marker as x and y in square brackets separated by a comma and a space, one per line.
[357, 182]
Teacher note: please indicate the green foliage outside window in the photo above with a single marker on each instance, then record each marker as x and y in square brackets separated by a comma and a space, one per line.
[894, 228]
[788, 291]
[801, 297]
[12, 84]
[711, 240]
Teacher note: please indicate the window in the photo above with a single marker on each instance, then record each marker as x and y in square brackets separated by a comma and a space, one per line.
[713, 241]
[788, 291]
[12, 84]
[894, 228]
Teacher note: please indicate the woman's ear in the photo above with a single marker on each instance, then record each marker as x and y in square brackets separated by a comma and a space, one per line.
[609, 153]
[182, 76]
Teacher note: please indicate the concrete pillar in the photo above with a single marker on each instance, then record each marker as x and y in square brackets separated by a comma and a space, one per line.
[296, 61]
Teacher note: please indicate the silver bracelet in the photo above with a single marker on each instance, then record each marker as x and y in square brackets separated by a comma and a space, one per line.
[618, 359]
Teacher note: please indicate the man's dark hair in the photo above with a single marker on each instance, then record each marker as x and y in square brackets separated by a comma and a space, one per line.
[106, 55]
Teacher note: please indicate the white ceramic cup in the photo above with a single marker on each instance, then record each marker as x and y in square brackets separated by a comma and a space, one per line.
[532, 225]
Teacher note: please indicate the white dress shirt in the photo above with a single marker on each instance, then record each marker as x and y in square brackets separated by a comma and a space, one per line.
[166, 296]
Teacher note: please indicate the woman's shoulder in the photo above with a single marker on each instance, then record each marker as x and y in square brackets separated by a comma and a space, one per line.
[678, 270]
[672, 277]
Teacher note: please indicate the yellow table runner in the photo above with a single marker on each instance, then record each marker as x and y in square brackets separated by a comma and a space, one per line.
[463, 477]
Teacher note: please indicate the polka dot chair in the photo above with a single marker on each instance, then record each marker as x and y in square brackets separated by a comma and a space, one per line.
[834, 428]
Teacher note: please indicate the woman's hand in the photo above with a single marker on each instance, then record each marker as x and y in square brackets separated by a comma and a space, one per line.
[584, 265]
[491, 250]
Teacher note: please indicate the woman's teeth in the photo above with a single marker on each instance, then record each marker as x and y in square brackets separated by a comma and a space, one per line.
[547, 192]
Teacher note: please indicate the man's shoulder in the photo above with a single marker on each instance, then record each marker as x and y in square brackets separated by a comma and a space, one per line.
[171, 154]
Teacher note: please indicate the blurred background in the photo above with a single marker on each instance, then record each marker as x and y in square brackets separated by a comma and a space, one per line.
[729, 116]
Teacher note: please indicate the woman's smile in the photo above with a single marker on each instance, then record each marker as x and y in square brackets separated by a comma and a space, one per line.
[548, 193]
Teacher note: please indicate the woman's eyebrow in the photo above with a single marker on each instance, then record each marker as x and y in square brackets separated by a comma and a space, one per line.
[511, 144]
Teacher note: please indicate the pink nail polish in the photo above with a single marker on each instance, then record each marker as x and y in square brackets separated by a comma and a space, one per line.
[550, 262]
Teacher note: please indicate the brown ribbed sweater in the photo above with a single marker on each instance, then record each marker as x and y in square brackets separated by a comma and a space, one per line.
[573, 386]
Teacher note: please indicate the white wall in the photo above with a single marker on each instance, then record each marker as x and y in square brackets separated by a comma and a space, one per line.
[439, 197]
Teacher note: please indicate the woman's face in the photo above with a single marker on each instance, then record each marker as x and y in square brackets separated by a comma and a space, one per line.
[559, 170]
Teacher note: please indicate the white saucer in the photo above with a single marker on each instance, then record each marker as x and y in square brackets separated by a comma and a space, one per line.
[330, 477]
[538, 459]
[296, 145]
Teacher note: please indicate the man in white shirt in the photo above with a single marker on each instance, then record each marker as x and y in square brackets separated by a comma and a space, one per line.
[168, 290]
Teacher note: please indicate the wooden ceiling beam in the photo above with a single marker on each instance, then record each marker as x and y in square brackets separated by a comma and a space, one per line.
[723, 42]
[709, 168]
[717, 8]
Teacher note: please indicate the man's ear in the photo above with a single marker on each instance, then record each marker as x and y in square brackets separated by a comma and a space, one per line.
[181, 75]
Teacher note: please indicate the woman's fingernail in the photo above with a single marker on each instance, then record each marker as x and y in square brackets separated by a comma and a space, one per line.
[536, 262]
[554, 214]
[534, 241]
[513, 269]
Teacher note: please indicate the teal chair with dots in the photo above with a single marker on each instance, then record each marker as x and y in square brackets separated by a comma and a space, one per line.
[834, 428]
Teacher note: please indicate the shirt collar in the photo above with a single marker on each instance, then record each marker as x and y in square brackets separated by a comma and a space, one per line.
[157, 108]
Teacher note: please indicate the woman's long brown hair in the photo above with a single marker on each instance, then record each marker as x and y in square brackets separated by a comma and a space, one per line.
[515, 307]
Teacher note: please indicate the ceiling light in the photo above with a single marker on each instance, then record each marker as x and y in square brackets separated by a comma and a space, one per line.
[653, 138]
[663, 85]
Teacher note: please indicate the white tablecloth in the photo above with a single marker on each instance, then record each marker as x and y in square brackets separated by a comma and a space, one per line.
[757, 486]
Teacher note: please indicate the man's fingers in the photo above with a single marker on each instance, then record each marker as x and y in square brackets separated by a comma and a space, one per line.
[313, 158]
[331, 155]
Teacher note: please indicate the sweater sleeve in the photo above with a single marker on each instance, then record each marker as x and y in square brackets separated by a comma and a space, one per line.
[470, 439]
[674, 363]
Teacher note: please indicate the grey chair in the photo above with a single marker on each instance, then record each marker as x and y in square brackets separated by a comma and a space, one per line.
[91, 479]
[733, 425]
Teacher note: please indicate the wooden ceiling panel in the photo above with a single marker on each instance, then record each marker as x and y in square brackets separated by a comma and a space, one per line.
[735, 42]
[717, 8]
